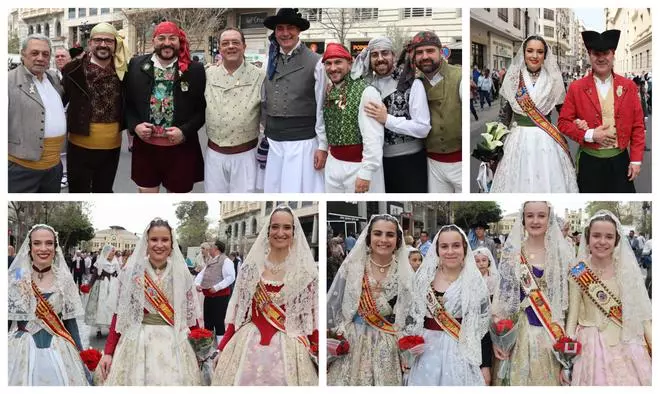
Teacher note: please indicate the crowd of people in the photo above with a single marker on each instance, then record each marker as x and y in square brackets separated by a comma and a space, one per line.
[262, 311]
[429, 314]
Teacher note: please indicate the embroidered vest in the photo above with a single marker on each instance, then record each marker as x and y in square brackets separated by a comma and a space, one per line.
[607, 109]
[445, 108]
[161, 104]
[340, 112]
[397, 105]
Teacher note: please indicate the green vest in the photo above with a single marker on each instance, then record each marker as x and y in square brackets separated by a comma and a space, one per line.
[340, 112]
[445, 108]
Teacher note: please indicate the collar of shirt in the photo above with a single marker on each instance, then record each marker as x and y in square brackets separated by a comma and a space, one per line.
[235, 72]
[34, 77]
[600, 82]
[157, 64]
[291, 51]
[93, 61]
[436, 78]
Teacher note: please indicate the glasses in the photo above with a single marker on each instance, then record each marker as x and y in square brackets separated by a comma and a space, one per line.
[106, 41]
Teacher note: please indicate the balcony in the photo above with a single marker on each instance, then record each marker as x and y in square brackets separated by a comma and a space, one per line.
[26, 13]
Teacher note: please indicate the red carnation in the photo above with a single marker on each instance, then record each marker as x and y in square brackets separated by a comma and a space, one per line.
[410, 341]
[503, 326]
[314, 349]
[568, 346]
[91, 358]
[200, 333]
[343, 348]
[85, 289]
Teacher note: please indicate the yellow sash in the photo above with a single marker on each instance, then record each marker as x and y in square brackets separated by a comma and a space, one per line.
[46, 313]
[450, 325]
[101, 136]
[50, 156]
[369, 312]
[158, 300]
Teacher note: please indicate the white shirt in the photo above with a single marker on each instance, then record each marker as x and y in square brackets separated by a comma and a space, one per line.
[419, 124]
[157, 64]
[55, 118]
[647, 248]
[228, 274]
[373, 136]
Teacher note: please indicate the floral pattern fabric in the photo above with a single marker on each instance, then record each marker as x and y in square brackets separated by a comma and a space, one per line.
[161, 104]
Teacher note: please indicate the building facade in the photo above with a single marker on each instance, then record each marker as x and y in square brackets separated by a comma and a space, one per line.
[576, 220]
[634, 55]
[116, 236]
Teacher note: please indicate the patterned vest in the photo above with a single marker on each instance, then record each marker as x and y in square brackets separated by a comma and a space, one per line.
[397, 105]
[340, 112]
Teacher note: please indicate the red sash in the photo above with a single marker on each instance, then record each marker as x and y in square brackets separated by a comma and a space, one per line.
[538, 302]
[46, 313]
[446, 321]
[158, 300]
[274, 315]
[369, 312]
[527, 104]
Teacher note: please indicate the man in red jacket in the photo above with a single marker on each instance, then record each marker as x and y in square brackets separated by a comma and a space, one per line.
[610, 105]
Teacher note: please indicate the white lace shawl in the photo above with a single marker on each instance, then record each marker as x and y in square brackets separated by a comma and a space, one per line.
[102, 263]
[635, 302]
[473, 306]
[493, 280]
[548, 91]
[22, 303]
[300, 282]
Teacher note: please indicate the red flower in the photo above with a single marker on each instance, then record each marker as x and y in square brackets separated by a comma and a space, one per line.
[91, 358]
[314, 349]
[200, 333]
[85, 289]
[503, 326]
[343, 348]
[410, 341]
[568, 346]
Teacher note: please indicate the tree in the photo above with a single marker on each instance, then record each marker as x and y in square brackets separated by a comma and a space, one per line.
[337, 21]
[399, 37]
[595, 206]
[13, 44]
[468, 213]
[192, 222]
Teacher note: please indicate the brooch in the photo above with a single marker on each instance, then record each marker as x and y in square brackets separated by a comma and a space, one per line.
[32, 88]
[146, 66]
[619, 90]
[184, 86]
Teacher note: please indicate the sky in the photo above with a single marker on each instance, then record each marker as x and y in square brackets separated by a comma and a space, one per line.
[593, 18]
[136, 213]
[513, 204]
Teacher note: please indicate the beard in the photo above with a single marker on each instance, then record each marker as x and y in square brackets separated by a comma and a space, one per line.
[428, 67]
[389, 65]
[99, 56]
[159, 51]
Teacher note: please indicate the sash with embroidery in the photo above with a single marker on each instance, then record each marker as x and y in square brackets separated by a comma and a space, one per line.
[527, 104]
[274, 315]
[537, 301]
[598, 293]
[369, 312]
[46, 313]
[450, 325]
[158, 300]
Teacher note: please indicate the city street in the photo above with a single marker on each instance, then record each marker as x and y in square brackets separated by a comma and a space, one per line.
[642, 183]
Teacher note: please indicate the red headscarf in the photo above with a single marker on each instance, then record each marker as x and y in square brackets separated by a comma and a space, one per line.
[336, 50]
[184, 50]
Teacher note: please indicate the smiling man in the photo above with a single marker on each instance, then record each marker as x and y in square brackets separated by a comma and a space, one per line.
[611, 107]
[165, 108]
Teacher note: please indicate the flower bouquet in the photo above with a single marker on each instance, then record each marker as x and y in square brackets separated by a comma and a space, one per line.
[566, 349]
[91, 358]
[504, 334]
[203, 343]
[85, 288]
[491, 148]
[338, 346]
[411, 347]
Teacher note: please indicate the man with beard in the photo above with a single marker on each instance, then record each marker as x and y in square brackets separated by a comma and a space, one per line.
[293, 97]
[403, 111]
[93, 85]
[233, 114]
[610, 105]
[165, 108]
[37, 123]
[355, 140]
[443, 86]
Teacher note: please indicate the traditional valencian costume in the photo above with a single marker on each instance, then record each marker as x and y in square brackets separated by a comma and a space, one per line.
[43, 341]
[611, 319]
[536, 155]
[272, 331]
[104, 289]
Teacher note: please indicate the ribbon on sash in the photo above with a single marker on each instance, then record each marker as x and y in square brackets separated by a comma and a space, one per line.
[369, 312]
[527, 104]
[538, 302]
[274, 315]
[46, 313]
[158, 300]
[448, 323]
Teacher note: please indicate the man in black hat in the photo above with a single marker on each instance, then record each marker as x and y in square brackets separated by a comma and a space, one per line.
[76, 53]
[294, 91]
[484, 241]
[612, 146]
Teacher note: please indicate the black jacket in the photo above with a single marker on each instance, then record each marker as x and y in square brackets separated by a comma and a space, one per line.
[189, 102]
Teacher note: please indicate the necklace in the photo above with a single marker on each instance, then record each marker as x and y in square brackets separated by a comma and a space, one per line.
[274, 268]
[534, 74]
[40, 272]
[381, 267]
[532, 253]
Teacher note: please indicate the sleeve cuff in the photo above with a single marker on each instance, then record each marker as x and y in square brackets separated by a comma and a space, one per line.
[323, 145]
[364, 174]
[589, 135]
[637, 163]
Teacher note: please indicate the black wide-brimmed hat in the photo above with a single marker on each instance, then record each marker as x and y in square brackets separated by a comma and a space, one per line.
[593, 40]
[288, 16]
[75, 51]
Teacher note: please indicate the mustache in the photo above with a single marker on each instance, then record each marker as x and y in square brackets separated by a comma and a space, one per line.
[101, 48]
[160, 48]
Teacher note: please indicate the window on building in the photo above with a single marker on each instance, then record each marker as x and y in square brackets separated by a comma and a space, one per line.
[548, 31]
[235, 232]
[487, 9]
[648, 58]
[516, 17]
[313, 14]
[254, 226]
[549, 14]
[93, 11]
[105, 11]
[280, 203]
[72, 13]
[307, 204]
[58, 29]
[30, 30]
[269, 207]
[293, 204]
[47, 30]
[243, 224]
[38, 29]
[417, 12]
[82, 12]
[503, 14]
[365, 14]
[478, 52]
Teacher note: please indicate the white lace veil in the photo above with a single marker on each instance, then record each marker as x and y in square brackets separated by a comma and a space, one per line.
[21, 300]
[474, 297]
[102, 262]
[346, 288]
[558, 258]
[549, 89]
[634, 299]
[131, 303]
[300, 282]
[492, 268]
